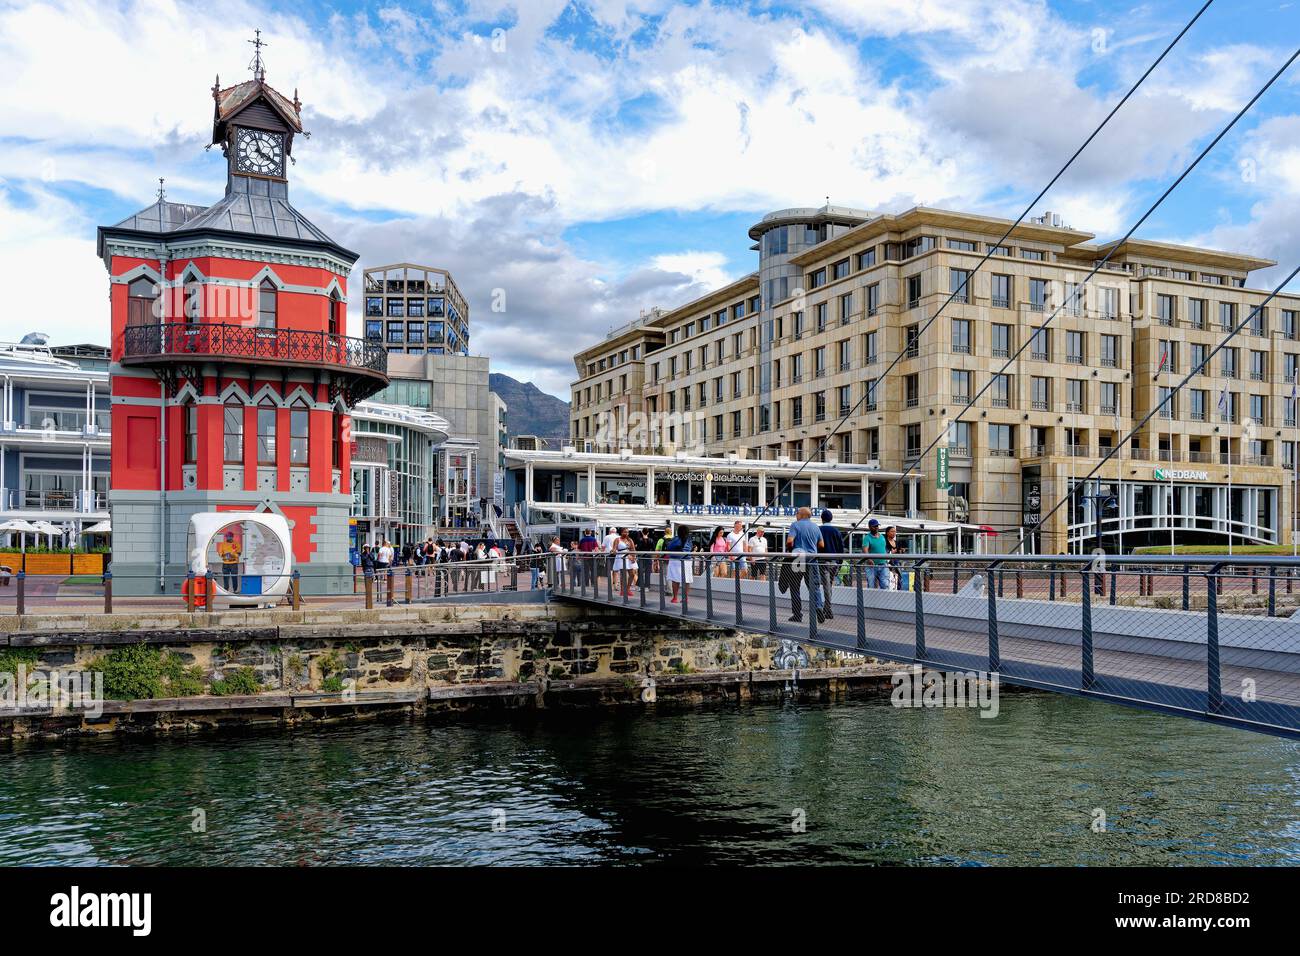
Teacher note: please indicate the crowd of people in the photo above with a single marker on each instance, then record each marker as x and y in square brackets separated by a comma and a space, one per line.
[635, 554]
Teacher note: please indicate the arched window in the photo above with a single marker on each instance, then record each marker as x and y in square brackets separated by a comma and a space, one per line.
[266, 415]
[336, 322]
[266, 304]
[141, 297]
[299, 434]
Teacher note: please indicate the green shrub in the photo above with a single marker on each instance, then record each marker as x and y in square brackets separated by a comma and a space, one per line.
[181, 681]
[332, 684]
[131, 672]
[242, 680]
[11, 657]
[330, 663]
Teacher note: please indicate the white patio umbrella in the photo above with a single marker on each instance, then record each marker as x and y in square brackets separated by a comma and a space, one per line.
[21, 528]
[102, 527]
[51, 531]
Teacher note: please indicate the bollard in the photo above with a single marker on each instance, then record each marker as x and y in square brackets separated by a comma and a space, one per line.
[1051, 590]
[209, 591]
[1112, 587]
[21, 596]
[1085, 662]
[1272, 593]
[1002, 581]
[1020, 585]
[370, 589]
[1254, 580]
[708, 589]
[1187, 598]
[954, 577]
[295, 591]
[408, 585]
[189, 592]
[108, 592]
[388, 587]
[1065, 585]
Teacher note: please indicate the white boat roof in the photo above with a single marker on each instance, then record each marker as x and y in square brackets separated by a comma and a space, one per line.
[657, 516]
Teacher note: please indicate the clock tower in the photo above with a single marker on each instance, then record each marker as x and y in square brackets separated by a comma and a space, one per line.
[233, 377]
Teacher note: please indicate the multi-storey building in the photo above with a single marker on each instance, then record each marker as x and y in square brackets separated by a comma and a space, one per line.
[54, 437]
[394, 460]
[414, 309]
[767, 372]
[232, 378]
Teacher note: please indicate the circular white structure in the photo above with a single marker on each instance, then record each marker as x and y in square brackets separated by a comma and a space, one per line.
[249, 553]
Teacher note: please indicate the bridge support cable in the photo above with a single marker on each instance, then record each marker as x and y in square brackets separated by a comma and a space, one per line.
[960, 291]
[1073, 298]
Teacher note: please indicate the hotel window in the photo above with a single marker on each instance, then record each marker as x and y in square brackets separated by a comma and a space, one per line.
[1227, 316]
[912, 390]
[914, 247]
[1109, 398]
[869, 354]
[1001, 391]
[1075, 347]
[299, 436]
[796, 411]
[1168, 402]
[1200, 353]
[1196, 313]
[873, 298]
[846, 308]
[1001, 336]
[718, 350]
[1040, 345]
[1289, 367]
[672, 366]
[845, 394]
[1000, 291]
[1257, 409]
[1110, 351]
[961, 385]
[1076, 298]
[1040, 393]
[1258, 366]
[437, 307]
[266, 436]
[654, 373]
[396, 333]
[191, 433]
[1165, 309]
[1108, 303]
[266, 305]
[869, 395]
[415, 331]
[735, 424]
[1211, 279]
[436, 333]
[232, 418]
[819, 361]
[1037, 294]
[1075, 395]
[819, 312]
[819, 407]
[704, 394]
[764, 418]
[1288, 324]
[1229, 362]
[415, 308]
[374, 306]
[796, 368]
[959, 284]
[1197, 401]
[704, 324]
[1259, 321]
[397, 308]
[840, 269]
[374, 329]
[1167, 357]
[844, 352]
[912, 441]
[689, 330]
[959, 439]
[866, 259]
[912, 340]
[961, 245]
[961, 336]
[999, 250]
[817, 278]
[1001, 440]
[913, 291]
[1036, 255]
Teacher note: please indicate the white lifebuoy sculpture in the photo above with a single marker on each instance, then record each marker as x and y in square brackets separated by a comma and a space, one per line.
[250, 555]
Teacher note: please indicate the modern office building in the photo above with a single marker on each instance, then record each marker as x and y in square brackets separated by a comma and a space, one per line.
[414, 309]
[454, 387]
[232, 378]
[394, 461]
[54, 438]
[770, 364]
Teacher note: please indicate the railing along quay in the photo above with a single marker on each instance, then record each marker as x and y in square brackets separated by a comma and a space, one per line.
[1207, 637]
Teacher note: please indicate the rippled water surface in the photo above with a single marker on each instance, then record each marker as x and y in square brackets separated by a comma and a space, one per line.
[874, 784]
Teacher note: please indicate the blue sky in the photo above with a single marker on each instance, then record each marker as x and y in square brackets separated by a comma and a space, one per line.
[594, 159]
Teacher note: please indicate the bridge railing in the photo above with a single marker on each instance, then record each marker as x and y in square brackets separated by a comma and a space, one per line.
[1206, 636]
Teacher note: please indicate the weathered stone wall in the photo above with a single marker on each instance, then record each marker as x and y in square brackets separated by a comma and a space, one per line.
[324, 666]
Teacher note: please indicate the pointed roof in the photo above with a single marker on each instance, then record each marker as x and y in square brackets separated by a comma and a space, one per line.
[259, 216]
[233, 99]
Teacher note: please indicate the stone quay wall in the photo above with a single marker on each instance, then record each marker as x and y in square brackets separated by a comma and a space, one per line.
[248, 668]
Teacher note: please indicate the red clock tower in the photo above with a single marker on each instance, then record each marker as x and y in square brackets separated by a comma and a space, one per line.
[232, 375]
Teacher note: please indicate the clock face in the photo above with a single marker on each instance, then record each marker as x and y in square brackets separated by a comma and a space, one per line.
[259, 152]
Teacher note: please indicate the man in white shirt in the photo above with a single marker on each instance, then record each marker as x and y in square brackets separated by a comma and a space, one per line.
[758, 548]
[608, 545]
[738, 544]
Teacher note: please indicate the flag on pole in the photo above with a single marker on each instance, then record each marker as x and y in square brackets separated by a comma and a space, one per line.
[1164, 355]
[1223, 400]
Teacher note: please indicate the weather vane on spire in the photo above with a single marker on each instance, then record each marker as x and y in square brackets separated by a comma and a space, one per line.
[162, 192]
[257, 66]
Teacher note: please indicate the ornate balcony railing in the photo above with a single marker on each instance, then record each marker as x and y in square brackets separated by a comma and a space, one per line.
[200, 340]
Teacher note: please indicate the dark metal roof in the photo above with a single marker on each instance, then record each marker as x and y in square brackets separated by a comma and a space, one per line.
[259, 216]
[160, 217]
[234, 98]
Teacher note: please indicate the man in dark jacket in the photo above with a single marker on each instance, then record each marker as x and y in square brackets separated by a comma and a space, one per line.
[834, 542]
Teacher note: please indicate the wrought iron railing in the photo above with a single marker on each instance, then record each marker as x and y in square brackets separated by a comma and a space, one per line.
[219, 340]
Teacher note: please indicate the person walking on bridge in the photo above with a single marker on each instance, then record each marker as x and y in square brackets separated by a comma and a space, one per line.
[877, 568]
[832, 543]
[804, 541]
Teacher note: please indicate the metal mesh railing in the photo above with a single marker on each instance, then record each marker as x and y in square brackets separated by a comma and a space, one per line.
[1206, 637]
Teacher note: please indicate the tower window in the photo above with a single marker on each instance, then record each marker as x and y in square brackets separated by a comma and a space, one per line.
[266, 304]
[141, 298]
[299, 436]
[233, 434]
[266, 436]
[191, 433]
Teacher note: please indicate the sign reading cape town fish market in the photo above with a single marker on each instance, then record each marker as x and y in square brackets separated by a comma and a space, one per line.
[1179, 474]
[742, 511]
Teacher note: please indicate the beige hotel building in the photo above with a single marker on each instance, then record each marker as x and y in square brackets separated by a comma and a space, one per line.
[766, 367]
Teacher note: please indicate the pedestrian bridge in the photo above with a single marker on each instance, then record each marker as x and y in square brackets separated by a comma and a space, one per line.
[1213, 640]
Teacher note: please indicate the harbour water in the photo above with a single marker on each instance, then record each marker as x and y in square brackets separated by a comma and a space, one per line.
[761, 784]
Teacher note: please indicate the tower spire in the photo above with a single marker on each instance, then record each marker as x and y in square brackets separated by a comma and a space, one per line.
[256, 65]
[162, 191]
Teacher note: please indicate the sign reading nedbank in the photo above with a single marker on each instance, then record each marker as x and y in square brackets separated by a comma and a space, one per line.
[1178, 474]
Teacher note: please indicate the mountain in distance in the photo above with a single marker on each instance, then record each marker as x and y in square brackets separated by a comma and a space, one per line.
[530, 411]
